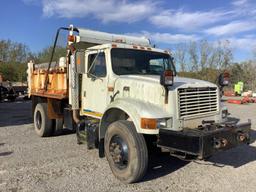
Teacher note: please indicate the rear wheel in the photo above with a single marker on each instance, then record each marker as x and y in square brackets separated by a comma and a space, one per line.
[42, 124]
[126, 151]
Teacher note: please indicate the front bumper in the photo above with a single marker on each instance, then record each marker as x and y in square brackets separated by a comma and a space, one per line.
[206, 140]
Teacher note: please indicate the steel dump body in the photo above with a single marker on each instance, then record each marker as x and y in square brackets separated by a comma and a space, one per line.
[56, 85]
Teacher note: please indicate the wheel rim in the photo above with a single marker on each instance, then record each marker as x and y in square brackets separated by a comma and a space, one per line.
[119, 152]
[38, 120]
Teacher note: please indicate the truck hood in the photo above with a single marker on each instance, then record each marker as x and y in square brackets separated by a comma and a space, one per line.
[148, 88]
[178, 81]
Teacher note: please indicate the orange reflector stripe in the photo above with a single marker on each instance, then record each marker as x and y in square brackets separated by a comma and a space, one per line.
[148, 123]
[78, 61]
[114, 45]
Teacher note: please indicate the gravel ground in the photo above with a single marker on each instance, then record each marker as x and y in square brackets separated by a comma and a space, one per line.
[30, 163]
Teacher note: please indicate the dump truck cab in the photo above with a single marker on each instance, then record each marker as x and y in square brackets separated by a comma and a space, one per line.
[123, 96]
[125, 75]
[126, 79]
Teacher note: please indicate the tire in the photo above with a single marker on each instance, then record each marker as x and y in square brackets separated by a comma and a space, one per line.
[130, 163]
[42, 124]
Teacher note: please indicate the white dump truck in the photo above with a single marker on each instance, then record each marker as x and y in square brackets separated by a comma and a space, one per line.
[123, 97]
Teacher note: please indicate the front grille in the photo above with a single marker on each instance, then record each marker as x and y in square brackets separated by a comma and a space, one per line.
[197, 101]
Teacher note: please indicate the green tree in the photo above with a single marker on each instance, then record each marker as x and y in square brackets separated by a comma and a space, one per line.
[13, 59]
[45, 55]
[202, 59]
[13, 51]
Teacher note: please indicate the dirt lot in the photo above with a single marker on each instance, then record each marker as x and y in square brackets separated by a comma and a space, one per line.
[30, 163]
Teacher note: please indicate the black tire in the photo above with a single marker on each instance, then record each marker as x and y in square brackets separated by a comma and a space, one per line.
[42, 124]
[130, 163]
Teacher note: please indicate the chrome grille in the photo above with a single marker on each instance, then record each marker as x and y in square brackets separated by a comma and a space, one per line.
[196, 101]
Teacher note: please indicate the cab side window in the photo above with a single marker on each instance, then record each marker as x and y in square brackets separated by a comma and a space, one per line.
[97, 64]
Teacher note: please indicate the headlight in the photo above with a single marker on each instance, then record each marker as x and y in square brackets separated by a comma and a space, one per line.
[161, 123]
[164, 123]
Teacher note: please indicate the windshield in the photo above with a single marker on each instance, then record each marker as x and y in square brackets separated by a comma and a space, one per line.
[130, 62]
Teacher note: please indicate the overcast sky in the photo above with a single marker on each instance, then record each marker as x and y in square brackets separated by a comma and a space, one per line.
[166, 23]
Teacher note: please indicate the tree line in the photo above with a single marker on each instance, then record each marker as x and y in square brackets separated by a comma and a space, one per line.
[201, 60]
[206, 60]
[15, 56]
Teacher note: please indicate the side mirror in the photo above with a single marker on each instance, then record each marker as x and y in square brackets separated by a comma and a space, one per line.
[224, 79]
[166, 78]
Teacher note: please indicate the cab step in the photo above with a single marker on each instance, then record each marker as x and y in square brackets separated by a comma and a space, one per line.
[87, 133]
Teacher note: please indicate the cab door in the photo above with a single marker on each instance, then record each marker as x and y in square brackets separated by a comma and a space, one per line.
[94, 85]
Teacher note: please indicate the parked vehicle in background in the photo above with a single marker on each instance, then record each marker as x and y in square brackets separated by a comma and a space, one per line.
[8, 94]
[21, 90]
[12, 95]
[122, 96]
[3, 93]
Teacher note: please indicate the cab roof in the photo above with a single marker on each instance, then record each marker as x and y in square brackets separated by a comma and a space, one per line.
[127, 46]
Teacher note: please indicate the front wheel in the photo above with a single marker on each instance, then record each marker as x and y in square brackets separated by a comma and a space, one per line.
[126, 151]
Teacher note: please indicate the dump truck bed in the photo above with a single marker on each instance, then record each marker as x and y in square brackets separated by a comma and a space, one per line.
[57, 82]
